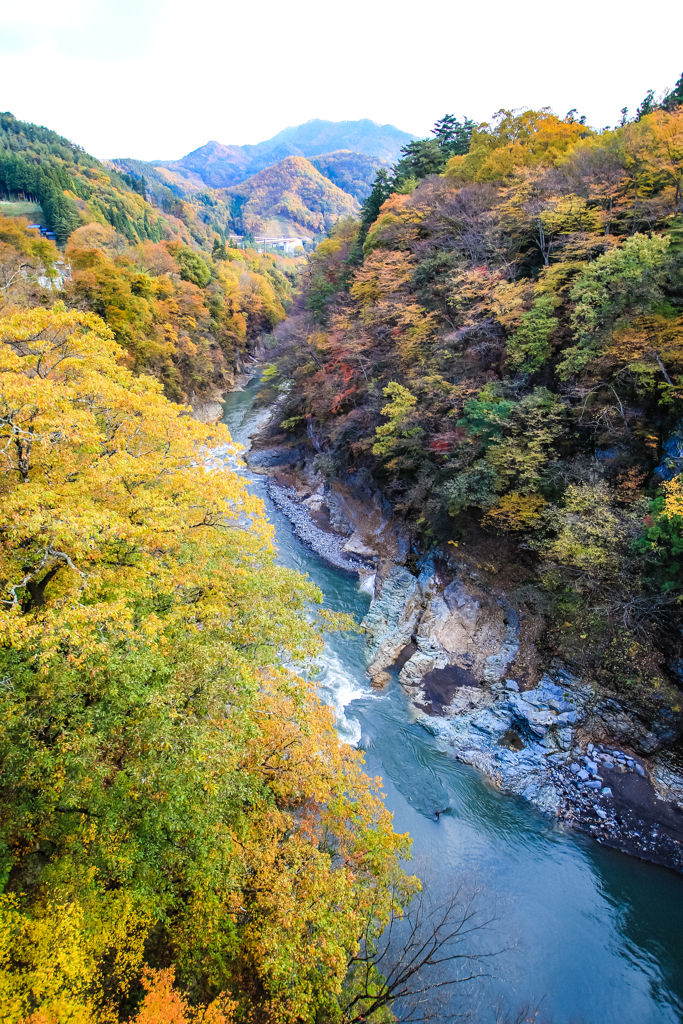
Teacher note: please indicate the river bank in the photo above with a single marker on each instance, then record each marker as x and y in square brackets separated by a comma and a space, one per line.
[471, 675]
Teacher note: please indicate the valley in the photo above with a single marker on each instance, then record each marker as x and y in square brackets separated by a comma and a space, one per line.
[341, 573]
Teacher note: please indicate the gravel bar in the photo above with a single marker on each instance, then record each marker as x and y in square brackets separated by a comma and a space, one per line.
[328, 546]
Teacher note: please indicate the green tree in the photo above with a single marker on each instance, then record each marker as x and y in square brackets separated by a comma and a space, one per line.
[381, 190]
[620, 282]
[420, 159]
[674, 98]
[529, 348]
[661, 545]
[647, 106]
[192, 267]
[218, 252]
[454, 136]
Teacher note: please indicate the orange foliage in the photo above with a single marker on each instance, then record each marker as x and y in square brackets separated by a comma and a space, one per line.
[164, 1004]
[398, 221]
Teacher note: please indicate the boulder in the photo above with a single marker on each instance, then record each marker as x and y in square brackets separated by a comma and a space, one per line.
[392, 618]
[380, 680]
[355, 546]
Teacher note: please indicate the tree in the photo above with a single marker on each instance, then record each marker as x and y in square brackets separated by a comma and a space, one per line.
[662, 542]
[530, 346]
[514, 141]
[454, 136]
[636, 142]
[168, 789]
[381, 190]
[598, 165]
[423, 157]
[193, 267]
[647, 106]
[674, 98]
[218, 252]
[619, 283]
[516, 512]
[164, 1004]
[397, 410]
[668, 152]
[419, 159]
[402, 970]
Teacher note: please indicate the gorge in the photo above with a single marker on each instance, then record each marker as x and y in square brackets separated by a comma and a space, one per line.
[592, 935]
[267, 713]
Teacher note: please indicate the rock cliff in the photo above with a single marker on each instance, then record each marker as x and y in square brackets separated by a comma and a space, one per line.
[552, 743]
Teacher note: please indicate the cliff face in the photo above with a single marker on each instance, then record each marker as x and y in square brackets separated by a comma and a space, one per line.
[572, 748]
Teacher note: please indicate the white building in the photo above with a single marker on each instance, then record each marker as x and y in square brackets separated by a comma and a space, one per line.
[288, 244]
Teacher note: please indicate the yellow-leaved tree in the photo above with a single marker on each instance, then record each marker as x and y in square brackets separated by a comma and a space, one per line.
[171, 796]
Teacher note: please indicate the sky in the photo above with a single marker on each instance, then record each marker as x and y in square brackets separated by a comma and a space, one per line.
[155, 79]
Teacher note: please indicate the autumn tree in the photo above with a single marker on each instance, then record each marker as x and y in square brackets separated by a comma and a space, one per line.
[169, 791]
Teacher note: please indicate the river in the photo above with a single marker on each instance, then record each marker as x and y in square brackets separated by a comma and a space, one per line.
[591, 936]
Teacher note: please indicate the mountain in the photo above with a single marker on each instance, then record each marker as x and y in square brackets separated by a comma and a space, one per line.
[290, 198]
[351, 172]
[383, 141]
[221, 166]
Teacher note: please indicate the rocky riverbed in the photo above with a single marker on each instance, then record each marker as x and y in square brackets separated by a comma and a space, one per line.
[570, 747]
[329, 545]
[566, 745]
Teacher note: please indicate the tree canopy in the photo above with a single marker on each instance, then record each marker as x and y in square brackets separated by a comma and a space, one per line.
[175, 803]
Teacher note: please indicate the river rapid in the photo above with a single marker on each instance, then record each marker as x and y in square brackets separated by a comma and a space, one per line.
[590, 935]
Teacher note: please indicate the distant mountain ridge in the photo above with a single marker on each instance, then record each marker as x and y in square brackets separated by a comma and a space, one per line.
[341, 158]
[222, 166]
[317, 136]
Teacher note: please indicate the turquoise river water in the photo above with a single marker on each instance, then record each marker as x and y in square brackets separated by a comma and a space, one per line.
[590, 935]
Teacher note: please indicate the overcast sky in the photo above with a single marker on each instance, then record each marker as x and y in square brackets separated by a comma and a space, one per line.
[154, 79]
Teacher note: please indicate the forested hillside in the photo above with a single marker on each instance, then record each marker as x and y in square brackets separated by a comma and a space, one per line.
[351, 172]
[290, 198]
[185, 306]
[498, 345]
[71, 187]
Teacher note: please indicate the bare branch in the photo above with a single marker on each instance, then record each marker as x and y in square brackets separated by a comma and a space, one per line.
[408, 961]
